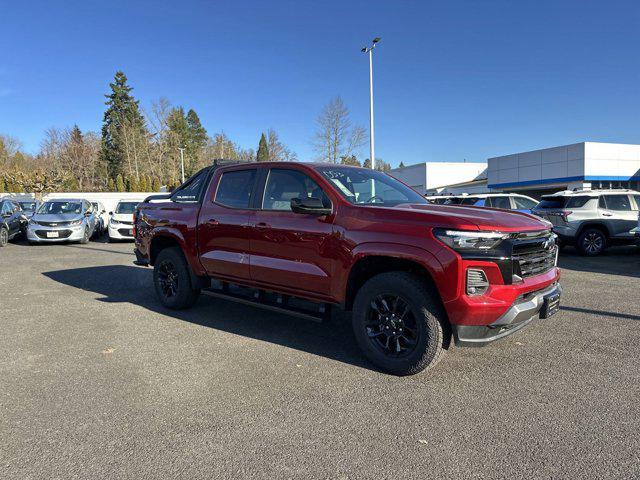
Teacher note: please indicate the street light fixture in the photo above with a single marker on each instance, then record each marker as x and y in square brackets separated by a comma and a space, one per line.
[372, 150]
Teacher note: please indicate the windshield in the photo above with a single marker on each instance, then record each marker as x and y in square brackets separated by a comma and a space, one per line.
[28, 206]
[369, 187]
[60, 208]
[126, 207]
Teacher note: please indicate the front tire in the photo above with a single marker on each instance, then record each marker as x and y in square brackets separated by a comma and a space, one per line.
[86, 236]
[172, 280]
[4, 237]
[592, 242]
[399, 323]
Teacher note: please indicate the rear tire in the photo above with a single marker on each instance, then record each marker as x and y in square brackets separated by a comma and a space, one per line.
[4, 237]
[592, 242]
[172, 280]
[399, 323]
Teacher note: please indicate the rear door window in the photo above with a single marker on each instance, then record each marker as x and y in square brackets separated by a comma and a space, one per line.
[620, 203]
[235, 187]
[468, 201]
[637, 199]
[499, 202]
[577, 202]
[190, 191]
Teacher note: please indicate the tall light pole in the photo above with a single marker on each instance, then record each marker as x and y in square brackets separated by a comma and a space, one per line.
[182, 161]
[372, 149]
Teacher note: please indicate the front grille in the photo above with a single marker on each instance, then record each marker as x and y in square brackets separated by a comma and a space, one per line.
[534, 257]
[61, 233]
[53, 224]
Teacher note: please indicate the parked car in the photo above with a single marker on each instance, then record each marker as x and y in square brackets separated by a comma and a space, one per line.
[506, 201]
[102, 218]
[62, 220]
[12, 221]
[28, 207]
[438, 199]
[413, 274]
[592, 220]
[121, 222]
[636, 230]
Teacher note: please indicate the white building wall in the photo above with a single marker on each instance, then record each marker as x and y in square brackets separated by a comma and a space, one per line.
[430, 176]
[555, 165]
[613, 161]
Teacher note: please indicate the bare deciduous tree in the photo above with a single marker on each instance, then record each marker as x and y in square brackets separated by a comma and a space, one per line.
[335, 136]
[278, 152]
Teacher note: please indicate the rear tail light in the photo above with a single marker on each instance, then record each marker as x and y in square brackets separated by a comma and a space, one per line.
[477, 283]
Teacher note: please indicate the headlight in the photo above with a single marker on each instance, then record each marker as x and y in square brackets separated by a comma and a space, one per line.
[113, 223]
[75, 223]
[33, 222]
[469, 240]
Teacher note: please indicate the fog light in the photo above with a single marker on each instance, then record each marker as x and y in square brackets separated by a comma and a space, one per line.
[477, 283]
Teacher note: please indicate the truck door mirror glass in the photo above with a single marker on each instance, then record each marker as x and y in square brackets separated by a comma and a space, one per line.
[309, 206]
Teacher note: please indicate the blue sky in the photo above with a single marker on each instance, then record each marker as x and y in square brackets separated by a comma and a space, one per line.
[453, 80]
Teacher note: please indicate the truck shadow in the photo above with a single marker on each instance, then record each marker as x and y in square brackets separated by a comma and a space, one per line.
[128, 284]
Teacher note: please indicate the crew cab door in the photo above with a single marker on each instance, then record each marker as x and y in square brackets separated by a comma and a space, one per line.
[288, 249]
[224, 224]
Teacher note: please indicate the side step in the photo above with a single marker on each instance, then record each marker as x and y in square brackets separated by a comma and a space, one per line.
[272, 302]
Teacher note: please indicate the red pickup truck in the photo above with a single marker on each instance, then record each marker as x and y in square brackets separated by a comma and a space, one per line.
[303, 238]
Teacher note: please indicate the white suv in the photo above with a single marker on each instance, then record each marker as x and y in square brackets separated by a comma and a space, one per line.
[592, 220]
[121, 221]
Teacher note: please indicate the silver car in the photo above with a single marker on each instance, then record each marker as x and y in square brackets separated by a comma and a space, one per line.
[62, 220]
[592, 220]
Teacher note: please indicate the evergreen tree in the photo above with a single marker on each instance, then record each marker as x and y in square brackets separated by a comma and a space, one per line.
[401, 165]
[155, 185]
[350, 160]
[367, 163]
[263, 150]
[122, 113]
[120, 184]
[197, 134]
[111, 186]
[2, 188]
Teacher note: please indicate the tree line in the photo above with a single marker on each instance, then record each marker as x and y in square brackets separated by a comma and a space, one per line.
[140, 151]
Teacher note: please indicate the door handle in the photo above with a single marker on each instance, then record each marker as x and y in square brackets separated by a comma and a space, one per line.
[607, 214]
[263, 225]
[213, 221]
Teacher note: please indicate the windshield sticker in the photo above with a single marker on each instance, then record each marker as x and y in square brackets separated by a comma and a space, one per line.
[342, 188]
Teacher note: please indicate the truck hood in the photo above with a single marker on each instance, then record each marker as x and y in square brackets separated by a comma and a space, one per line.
[479, 218]
[65, 217]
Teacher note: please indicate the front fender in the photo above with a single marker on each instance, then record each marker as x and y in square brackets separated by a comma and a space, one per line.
[418, 255]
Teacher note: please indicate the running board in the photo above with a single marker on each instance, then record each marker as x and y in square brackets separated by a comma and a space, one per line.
[276, 307]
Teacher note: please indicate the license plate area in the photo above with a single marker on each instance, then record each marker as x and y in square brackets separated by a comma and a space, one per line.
[53, 234]
[550, 305]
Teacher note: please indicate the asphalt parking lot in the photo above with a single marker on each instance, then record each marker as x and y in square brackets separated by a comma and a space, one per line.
[98, 381]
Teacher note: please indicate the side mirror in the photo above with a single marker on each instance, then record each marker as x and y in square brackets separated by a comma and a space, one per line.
[309, 206]
[110, 213]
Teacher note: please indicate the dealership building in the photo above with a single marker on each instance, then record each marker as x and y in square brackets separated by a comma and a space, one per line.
[585, 165]
[579, 165]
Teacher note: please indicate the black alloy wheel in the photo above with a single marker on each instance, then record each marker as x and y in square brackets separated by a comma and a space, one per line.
[392, 327]
[168, 279]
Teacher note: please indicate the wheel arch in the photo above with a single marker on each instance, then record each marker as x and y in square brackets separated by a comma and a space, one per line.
[597, 225]
[387, 258]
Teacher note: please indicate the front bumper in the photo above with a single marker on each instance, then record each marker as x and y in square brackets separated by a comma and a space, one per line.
[38, 233]
[521, 313]
[120, 232]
